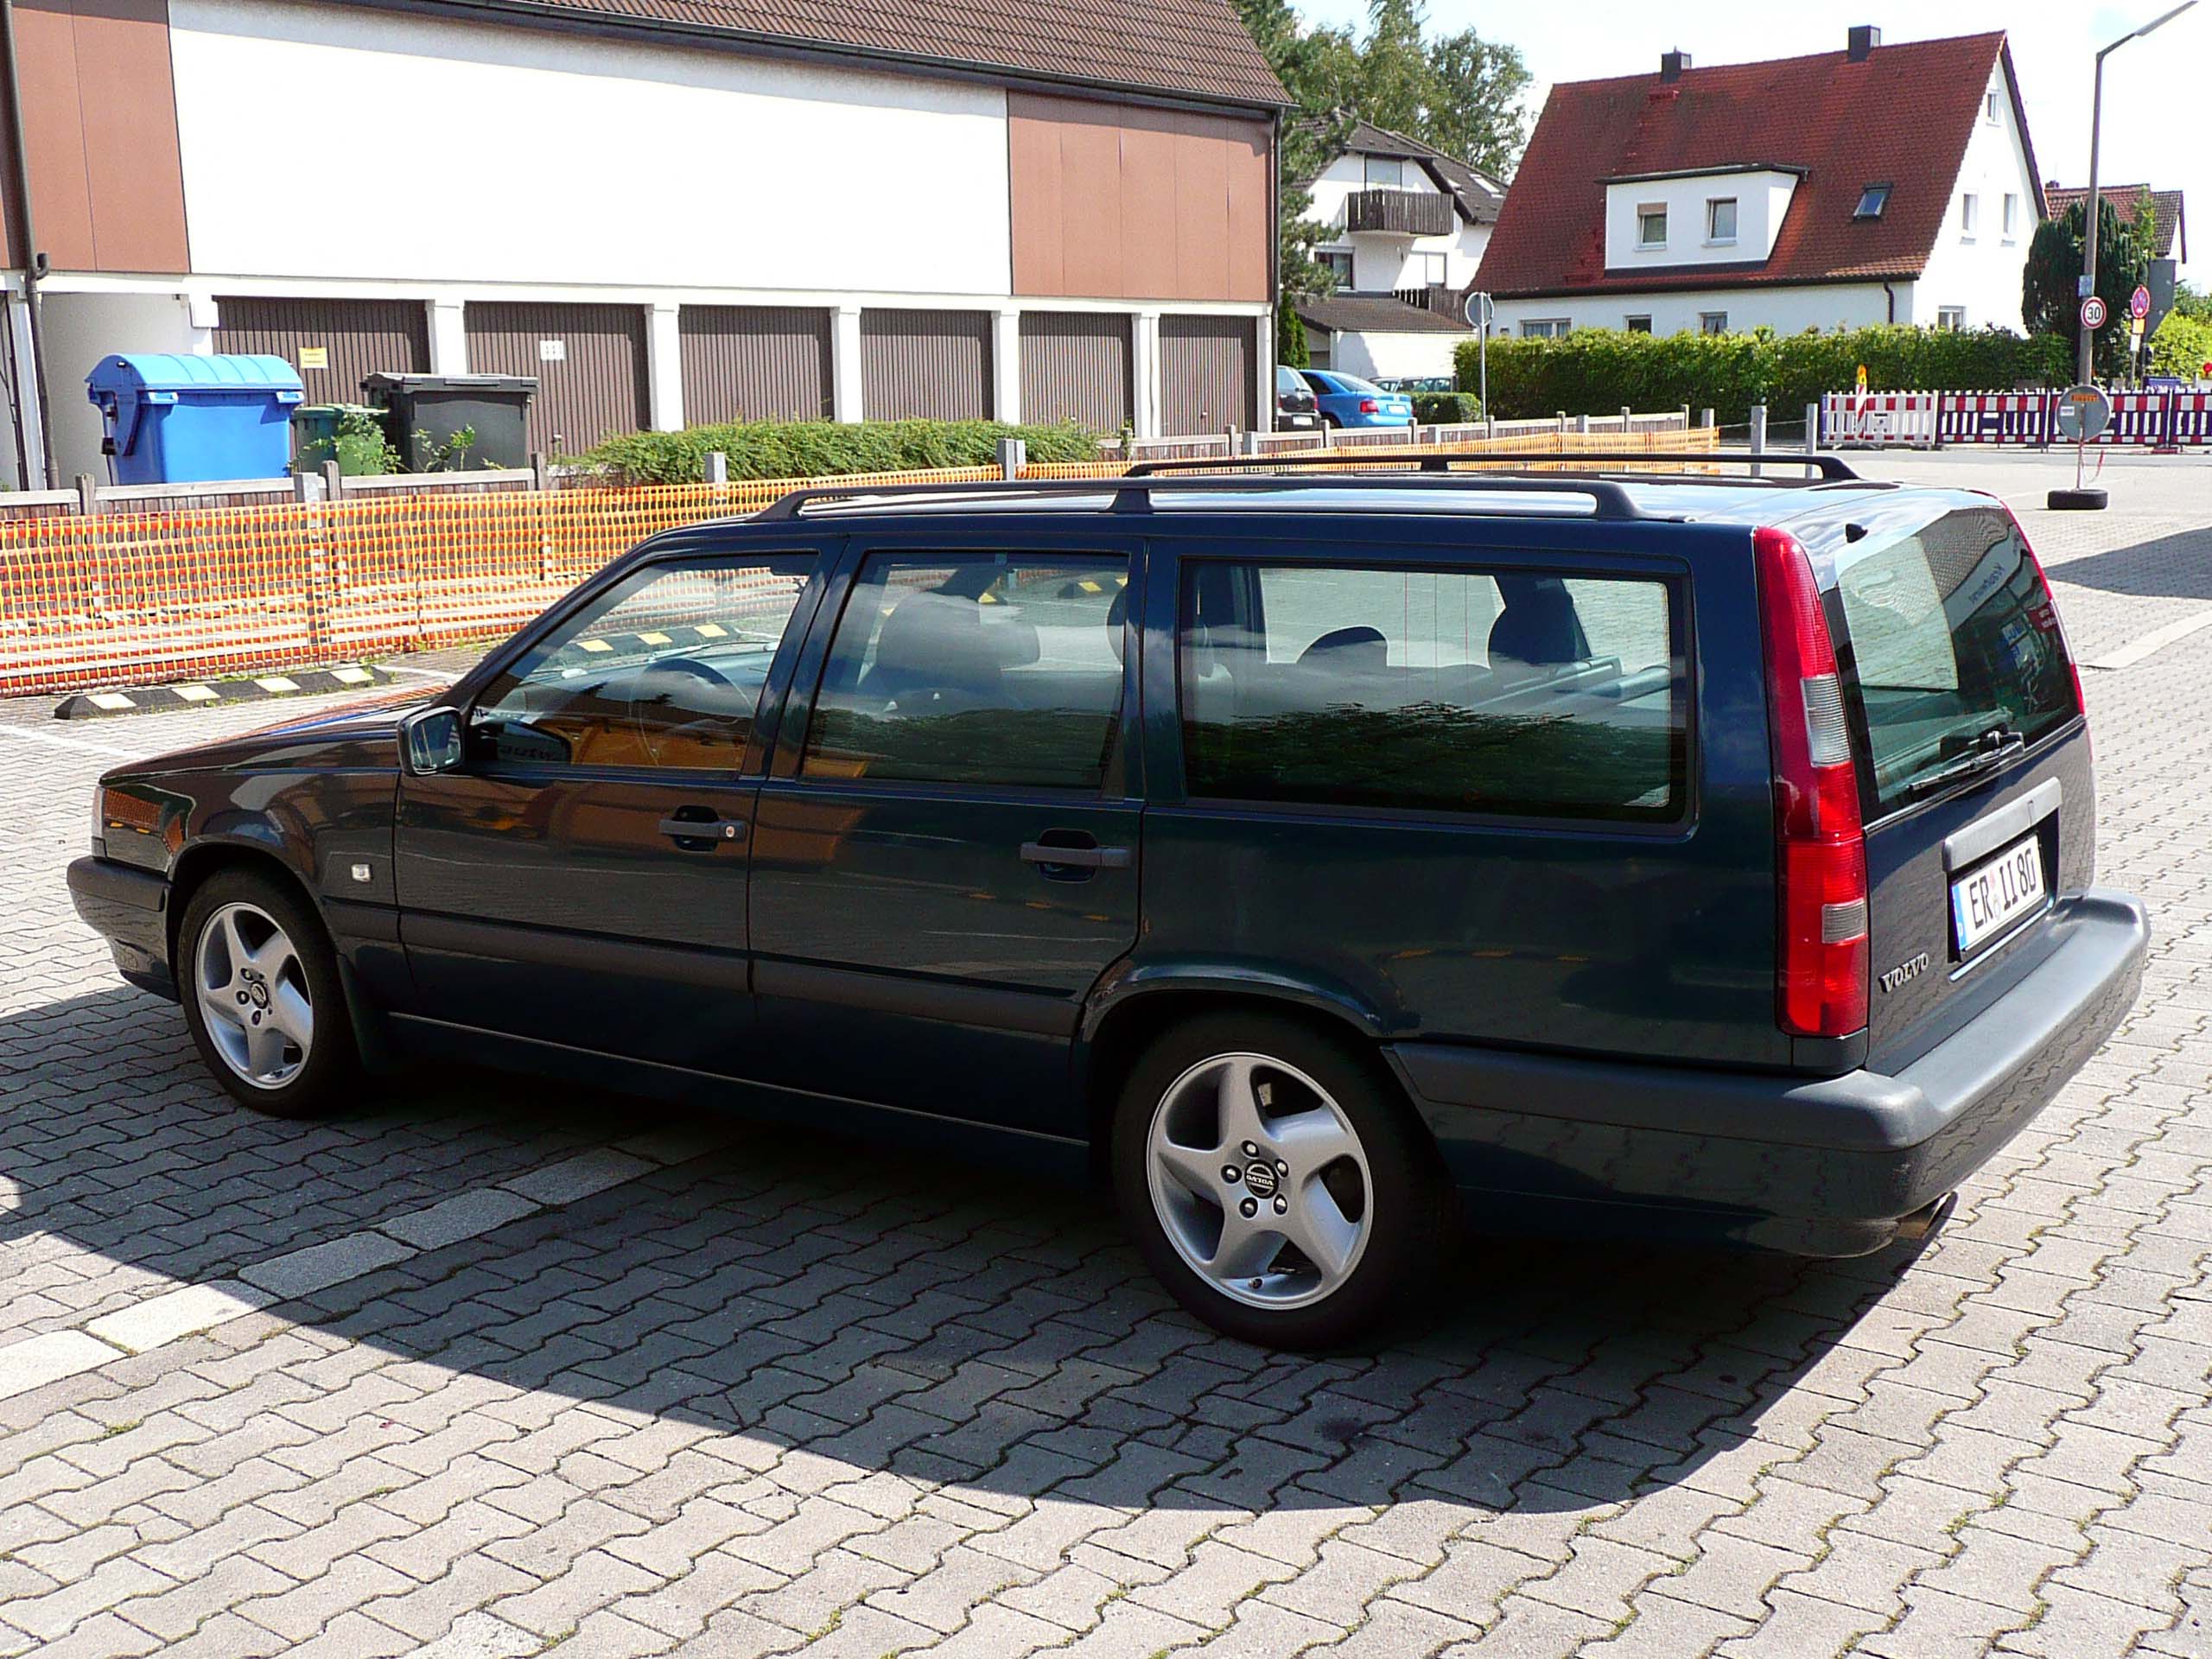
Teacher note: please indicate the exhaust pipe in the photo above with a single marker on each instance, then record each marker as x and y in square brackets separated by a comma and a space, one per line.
[1926, 1220]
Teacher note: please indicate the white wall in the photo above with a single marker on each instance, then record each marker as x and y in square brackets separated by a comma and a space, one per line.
[1371, 355]
[82, 328]
[492, 153]
[1785, 310]
[1982, 273]
[1760, 200]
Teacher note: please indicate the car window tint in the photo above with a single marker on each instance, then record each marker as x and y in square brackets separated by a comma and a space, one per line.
[981, 669]
[1458, 691]
[665, 670]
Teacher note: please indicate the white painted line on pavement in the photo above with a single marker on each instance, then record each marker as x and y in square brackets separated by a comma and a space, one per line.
[61, 742]
[2136, 650]
[48, 1358]
[190, 1309]
[178, 1313]
[419, 673]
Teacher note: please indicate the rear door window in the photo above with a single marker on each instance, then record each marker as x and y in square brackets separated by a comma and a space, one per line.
[975, 668]
[1499, 691]
[1954, 648]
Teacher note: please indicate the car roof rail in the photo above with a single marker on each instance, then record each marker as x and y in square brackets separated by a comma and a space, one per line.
[1134, 491]
[1833, 469]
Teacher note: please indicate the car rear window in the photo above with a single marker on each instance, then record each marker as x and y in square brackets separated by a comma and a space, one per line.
[1522, 693]
[1951, 637]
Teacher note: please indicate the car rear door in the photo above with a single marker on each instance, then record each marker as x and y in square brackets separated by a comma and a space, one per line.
[946, 853]
[1976, 786]
[579, 880]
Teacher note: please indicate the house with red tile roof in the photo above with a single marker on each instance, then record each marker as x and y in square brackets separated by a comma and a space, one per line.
[664, 212]
[1878, 183]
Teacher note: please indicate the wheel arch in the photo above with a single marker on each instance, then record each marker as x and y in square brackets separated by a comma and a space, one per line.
[1129, 1014]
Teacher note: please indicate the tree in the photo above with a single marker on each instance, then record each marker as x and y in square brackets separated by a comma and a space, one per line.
[1477, 114]
[2196, 307]
[1290, 349]
[2049, 296]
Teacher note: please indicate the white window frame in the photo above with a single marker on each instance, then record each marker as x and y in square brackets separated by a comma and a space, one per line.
[1546, 327]
[1392, 167]
[2012, 216]
[1643, 214]
[1630, 323]
[1952, 319]
[1989, 108]
[1435, 266]
[1706, 321]
[1713, 239]
[1969, 215]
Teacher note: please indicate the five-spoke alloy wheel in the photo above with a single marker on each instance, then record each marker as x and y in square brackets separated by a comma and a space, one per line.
[1273, 1181]
[259, 985]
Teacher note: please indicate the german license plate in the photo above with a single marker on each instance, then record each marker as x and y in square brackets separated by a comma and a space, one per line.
[1993, 895]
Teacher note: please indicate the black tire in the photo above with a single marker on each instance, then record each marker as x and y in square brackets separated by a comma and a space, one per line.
[329, 1077]
[2083, 500]
[1407, 1200]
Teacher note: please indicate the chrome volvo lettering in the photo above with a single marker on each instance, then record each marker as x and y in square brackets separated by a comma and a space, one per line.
[1911, 969]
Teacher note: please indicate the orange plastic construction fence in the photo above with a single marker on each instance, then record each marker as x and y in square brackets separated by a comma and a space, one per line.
[135, 598]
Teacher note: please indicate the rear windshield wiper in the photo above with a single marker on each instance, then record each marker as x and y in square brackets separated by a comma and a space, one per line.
[1991, 750]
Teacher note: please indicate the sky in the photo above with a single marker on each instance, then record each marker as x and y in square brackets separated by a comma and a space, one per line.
[2154, 88]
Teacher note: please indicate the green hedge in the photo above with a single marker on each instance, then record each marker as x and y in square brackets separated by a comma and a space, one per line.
[2182, 346]
[1447, 408]
[1594, 370]
[826, 448]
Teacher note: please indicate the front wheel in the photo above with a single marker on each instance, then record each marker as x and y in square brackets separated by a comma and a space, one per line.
[259, 984]
[1272, 1182]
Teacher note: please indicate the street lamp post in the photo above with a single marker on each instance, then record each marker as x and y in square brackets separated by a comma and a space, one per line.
[2090, 225]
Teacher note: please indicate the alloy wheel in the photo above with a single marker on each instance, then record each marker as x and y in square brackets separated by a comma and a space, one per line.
[253, 994]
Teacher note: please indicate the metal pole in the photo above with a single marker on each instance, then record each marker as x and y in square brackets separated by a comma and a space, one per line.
[2085, 364]
[26, 228]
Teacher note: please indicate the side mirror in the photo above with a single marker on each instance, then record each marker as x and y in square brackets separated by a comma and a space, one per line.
[429, 741]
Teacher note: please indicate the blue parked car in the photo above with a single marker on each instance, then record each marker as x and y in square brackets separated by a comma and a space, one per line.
[1313, 854]
[1347, 400]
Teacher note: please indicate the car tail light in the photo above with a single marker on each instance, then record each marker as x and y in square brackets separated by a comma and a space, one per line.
[1820, 852]
[1368, 406]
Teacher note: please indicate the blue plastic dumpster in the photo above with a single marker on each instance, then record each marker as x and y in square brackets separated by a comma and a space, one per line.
[172, 419]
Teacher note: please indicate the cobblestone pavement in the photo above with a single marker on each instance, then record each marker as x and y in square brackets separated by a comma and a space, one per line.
[500, 1365]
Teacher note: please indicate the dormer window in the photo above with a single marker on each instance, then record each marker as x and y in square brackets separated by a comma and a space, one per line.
[1720, 219]
[1651, 226]
[1872, 200]
[1386, 171]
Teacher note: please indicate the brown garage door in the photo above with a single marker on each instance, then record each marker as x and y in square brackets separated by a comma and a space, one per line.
[1205, 375]
[755, 363]
[925, 366]
[349, 338]
[1075, 367]
[588, 362]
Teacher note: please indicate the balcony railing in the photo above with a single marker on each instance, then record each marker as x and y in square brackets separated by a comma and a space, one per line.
[1399, 213]
[1439, 298]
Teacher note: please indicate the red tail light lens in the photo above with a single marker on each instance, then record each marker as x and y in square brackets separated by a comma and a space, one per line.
[1368, 406]
[1820, 851]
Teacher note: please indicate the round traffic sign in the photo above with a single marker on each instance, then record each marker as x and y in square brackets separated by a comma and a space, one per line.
[2093, 312]
[2138, 303]
[2083, 413]
[1480, 312]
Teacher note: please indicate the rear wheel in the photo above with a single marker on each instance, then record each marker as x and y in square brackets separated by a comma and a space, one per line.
[260, 990]
[1273, 1182]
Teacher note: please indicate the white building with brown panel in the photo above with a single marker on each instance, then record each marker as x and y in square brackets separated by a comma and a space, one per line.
[666, 211]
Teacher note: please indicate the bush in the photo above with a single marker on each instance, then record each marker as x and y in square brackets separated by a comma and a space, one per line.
[825, 448]
[1595, 370]
[1447, 408]
[2182, 346]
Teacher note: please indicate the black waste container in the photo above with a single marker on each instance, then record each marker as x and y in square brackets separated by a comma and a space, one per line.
[426, 413]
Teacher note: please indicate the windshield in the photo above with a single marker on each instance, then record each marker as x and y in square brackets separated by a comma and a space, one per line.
[1951, 650]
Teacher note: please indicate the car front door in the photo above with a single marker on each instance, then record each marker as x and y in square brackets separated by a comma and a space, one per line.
[945, 854]
[580, 879]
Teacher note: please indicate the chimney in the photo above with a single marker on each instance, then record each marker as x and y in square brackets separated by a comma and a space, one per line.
[1671, 64]
[1865, 37]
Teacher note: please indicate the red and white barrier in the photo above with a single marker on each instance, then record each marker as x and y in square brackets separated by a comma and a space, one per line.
[1880, 418]
[2140, 420]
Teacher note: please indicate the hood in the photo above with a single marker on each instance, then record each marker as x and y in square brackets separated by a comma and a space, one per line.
[357, 735]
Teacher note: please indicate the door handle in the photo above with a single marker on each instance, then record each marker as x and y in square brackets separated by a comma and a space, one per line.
[1076, 858]
[717, 831]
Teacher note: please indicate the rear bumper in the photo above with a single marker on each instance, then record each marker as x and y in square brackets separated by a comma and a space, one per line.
[1824, 1165]
[128, 907]
[1297, 420]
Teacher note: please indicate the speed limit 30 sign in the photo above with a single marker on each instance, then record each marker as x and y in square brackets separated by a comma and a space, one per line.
[2093, 312]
